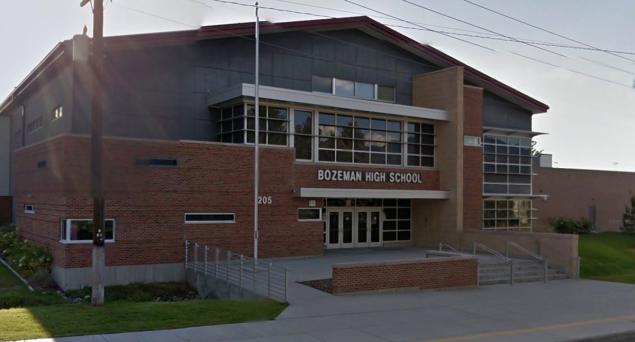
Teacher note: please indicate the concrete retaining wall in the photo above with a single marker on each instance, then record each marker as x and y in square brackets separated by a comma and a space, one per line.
[76, 278]
[433, 273]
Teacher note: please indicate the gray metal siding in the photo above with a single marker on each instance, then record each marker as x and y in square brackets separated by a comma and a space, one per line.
[5, 155]
[55, 92]
[161, 92]
[503, 114]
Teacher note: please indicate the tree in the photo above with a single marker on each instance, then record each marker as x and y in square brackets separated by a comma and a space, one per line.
[628, 219]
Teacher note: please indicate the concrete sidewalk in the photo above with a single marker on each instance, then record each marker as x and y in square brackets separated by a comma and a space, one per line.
[555, 311]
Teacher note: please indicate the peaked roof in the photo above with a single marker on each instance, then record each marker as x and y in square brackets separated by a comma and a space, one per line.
[363, 23]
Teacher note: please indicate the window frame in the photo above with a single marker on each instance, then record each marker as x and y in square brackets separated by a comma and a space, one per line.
[28, 210]
[319, 210]
[66, 231]
[54, 117]
[507, 210]
[185, 220]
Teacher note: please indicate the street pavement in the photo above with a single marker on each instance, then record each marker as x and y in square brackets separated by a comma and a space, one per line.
[555, 311]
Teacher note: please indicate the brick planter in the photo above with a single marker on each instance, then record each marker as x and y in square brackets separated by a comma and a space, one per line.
[433, 273]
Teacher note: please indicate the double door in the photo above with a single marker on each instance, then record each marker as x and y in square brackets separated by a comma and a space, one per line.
[353, 227]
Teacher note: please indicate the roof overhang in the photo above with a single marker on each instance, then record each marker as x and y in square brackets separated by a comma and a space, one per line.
[372, 193]
[511, 132]
[324, 100]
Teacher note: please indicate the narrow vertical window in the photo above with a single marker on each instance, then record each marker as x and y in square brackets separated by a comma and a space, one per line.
[303, 139]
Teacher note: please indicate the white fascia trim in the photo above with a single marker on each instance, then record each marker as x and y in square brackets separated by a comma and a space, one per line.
[373, 193]
[328, 100]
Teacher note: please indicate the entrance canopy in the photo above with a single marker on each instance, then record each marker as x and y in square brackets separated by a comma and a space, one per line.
[373, 193]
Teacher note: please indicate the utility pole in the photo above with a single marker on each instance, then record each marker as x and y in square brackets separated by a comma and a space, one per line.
[256, 135]
[96, 144]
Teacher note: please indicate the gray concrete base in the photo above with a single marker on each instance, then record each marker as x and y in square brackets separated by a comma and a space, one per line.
[76, 278]
[209, 287]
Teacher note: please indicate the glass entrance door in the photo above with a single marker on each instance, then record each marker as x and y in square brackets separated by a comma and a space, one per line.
[368, 232]
[340, 228]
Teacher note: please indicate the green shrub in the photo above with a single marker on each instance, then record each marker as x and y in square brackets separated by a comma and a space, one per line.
[30, 260]
[139, 292]
[12, 298]
[564, 225]
[628, 218]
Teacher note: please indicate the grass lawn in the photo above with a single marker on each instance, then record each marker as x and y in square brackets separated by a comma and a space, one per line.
[608, 256]
[13, 293]
[119, 316]
[38, 315]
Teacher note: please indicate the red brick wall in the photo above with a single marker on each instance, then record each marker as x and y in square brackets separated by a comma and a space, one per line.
[572, 191]
[434, 273]
[149, 202]
[473, 160]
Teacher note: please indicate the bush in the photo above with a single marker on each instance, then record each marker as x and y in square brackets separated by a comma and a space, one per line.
[28, 259]
[138, 292]
[564, 225]
[12, 298]
[628, 218]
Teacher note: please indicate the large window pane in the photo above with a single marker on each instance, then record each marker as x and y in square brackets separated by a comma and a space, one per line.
[385, 93]
[322, 84]
[365, 90]
[344, 88]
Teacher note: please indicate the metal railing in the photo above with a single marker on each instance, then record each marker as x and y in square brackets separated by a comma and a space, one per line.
[505, 260]
[537, 258]
[263, 278]
[448, 247]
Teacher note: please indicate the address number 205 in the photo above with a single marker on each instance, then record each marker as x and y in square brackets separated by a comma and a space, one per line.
[265, 200]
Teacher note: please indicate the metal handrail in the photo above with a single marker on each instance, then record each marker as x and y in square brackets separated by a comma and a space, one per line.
[489, 250]
[264, 278]
[442, 245]
[524, 250]
[535, 256]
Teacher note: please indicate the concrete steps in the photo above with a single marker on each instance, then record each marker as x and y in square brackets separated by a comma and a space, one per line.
[524, 271]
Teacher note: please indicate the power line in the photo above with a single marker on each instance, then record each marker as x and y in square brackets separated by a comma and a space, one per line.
[571, 70]
[418, 25]
[481, 27]
[305, 55]
[545, 30]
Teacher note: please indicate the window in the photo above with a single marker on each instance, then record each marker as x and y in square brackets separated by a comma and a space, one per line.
[157, 162]
[365, 90]
[273, 123]
[343, 88]
[29, 209]
[232, 124]
[34, 125]
[386, 93]
[507, 214]
[81, 230]
[303, 134]
[506, 164]
[322, 84]
[397, 223]
[203, 218]
[57, 113]
[420, 144]
[358, 139]
[309, 214]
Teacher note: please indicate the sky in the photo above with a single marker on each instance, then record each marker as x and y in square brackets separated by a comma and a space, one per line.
[591, 94]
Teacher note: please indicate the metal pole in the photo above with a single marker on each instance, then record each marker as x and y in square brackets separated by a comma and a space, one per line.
[216, 258]
[546, 271]
[269, 280]
[206, 249]
[511, 272]
[96, 154]
[196, 256]
[186, 256]
[257, 134]
[242, 260]
[229, 256]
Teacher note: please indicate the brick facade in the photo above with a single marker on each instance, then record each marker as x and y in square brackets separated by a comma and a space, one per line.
[433, 273]
[473, 159]
[149, 202]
